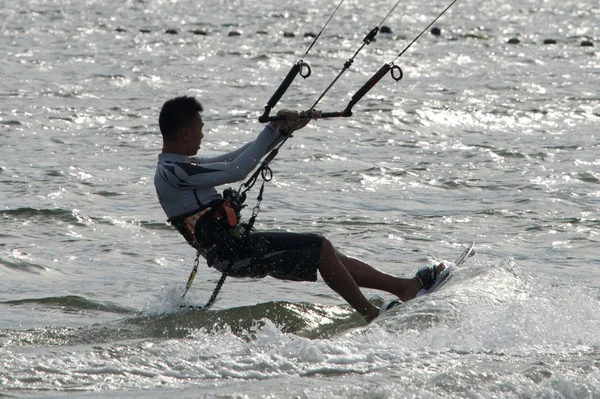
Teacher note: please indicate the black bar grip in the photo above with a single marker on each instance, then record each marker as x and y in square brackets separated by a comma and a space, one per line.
[336, 114]
[370, 83]
[272, 118]
[284, 85]
[280, 92]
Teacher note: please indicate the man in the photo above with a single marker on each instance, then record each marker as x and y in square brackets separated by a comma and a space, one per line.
[186, 187]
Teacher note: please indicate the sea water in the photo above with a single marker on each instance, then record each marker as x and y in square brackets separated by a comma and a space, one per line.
[482, 140]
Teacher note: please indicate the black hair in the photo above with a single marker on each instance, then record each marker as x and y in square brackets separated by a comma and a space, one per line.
[176, 114]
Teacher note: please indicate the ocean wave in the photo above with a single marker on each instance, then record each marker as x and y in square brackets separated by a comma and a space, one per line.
[71, 303]
[63, 215]
[22, 265]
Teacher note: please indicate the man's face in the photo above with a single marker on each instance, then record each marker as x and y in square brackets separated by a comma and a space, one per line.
[193, 135]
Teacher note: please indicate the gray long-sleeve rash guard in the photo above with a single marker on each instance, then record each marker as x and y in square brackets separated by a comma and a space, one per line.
[185, 184]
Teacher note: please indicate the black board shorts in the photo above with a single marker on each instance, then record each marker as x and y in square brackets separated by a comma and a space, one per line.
[283, 255]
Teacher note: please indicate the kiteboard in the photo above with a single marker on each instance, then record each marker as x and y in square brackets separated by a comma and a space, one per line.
[446, 274]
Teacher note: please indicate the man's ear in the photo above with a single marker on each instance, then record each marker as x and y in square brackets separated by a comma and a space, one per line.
[185, 133]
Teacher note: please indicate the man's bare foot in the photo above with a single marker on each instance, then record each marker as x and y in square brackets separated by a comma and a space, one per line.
[414, 285]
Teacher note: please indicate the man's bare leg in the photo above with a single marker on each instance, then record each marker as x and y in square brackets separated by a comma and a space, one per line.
[368, 277]
[337, 277]
[346, 275]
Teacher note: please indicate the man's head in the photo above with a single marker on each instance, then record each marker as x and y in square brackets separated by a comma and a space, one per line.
[181, 125]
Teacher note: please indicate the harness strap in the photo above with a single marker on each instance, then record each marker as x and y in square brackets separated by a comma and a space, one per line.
[230, 214]
[187, 224]
[190, 223]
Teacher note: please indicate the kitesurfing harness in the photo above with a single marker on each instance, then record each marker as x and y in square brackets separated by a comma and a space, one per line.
[209, 226]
